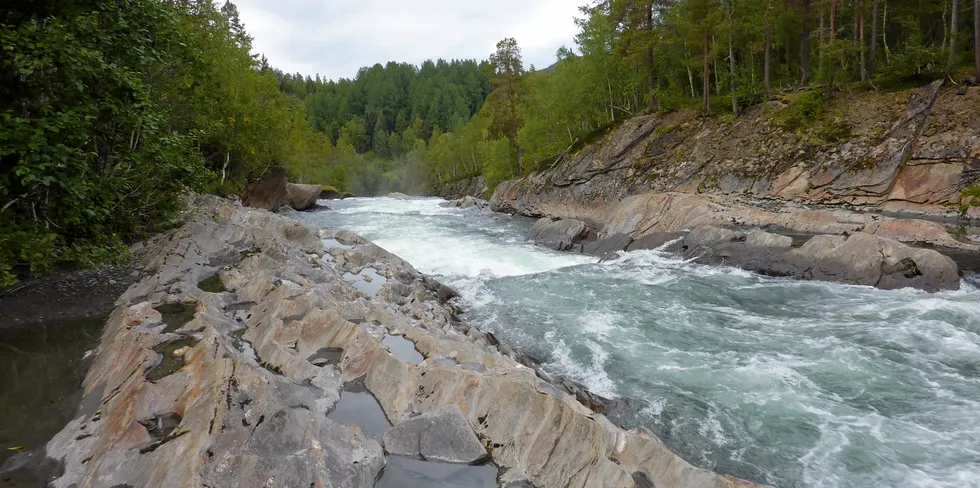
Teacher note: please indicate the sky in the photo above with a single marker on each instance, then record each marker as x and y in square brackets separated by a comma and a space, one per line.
[334, 38]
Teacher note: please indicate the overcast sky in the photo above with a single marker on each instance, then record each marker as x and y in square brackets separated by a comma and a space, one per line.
[336, 37]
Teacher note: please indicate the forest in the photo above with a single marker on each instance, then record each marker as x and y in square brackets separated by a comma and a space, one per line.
[111, 110]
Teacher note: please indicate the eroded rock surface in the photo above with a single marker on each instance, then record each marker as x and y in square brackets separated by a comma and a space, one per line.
[441, 435]
[263, 362]
[560, 234]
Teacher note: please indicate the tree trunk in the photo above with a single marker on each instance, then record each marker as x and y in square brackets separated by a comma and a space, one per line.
[706, 86]
[884, 31]
[731, 57]
[651, 76]
[805, 43]
[873, 65]
[767, 59]
[952, 36]
[864, 70]
[976, 38]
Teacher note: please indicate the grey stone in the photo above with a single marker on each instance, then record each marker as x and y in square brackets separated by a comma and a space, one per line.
[608, 247]
[441, 435]
[560, 235]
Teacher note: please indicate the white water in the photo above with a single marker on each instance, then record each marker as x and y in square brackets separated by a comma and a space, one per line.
[796, 384]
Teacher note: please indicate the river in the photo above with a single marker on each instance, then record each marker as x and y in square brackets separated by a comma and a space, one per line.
[791, 383]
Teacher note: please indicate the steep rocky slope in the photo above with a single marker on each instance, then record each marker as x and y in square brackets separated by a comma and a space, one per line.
[890, 165]
[910, 151]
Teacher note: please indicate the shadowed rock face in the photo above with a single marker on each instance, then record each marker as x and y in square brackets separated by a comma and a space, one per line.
[268, 192]
[230, 418]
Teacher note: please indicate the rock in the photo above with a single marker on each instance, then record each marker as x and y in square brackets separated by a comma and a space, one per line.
[560, 235]
[655, 240]
[859, 258]
[440, 435]
[467, 202]
[758, 238]
[330, 193]
[264, 362]
[268, 192]
[302, 197]
[609, 247]
[400, 196]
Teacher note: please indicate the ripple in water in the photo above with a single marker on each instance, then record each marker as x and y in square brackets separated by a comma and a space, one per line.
[796, 384]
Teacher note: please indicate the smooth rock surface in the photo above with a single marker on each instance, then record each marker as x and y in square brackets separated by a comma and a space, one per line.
[441, 435]
[302, 197]
[560, 235]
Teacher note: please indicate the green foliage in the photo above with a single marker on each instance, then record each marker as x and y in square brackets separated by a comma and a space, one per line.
[113, 109]
[802, 112]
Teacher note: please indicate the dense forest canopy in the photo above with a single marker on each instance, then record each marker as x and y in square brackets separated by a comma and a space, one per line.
[111, 109]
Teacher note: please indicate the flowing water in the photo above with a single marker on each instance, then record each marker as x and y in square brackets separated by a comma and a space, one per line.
[796, 384]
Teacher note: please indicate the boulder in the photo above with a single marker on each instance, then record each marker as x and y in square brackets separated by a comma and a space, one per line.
[330, 193]
[609, 247]
[440, 435]
[858, 258]
[302, 197]
[268, 192]
[467, 202]
[655, 240]
[560, 235]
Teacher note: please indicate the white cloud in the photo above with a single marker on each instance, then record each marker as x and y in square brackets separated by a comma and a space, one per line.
[337, 37]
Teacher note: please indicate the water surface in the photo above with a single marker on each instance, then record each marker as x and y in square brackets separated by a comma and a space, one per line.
[792, 383]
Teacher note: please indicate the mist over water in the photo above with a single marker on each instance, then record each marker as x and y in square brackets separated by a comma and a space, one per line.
[791, 383]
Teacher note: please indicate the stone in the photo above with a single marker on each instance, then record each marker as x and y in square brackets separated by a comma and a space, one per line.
[560, 235]
[440, 435]
[608, 247]
[655, 240]
[302, 197]
[758, 238]
[330, 193]
[467, 202]
[268, 192]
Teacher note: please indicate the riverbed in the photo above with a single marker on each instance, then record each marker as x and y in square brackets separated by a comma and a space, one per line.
[791, 383]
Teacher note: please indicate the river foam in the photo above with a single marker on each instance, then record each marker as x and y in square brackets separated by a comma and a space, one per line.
[792, 383]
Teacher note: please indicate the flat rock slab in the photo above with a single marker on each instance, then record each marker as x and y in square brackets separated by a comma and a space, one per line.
[441, 435]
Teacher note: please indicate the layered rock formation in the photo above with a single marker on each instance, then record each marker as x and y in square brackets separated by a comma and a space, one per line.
[911, 152]
[283, 316]
[473, 187]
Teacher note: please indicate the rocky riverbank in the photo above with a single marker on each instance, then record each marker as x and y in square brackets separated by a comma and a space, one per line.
[901, 172]
[239, 361]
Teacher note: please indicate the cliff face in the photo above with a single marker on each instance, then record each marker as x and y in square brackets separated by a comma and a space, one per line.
[913, 151]
[469, 187]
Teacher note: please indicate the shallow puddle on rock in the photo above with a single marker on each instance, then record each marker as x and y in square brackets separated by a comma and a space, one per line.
[212, 284]
[176, 315]
[327, 356]
[402, 348]
[358, 407]
[40, 379]
[403, 472]
[368, 282]
[446, 362]
[238, 340]
[334, 243]
[170, 364]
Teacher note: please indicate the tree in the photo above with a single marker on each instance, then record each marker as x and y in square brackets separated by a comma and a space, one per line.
[953, 24]
[508, 92]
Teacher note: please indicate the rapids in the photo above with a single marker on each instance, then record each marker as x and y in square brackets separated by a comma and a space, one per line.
[791, 383]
